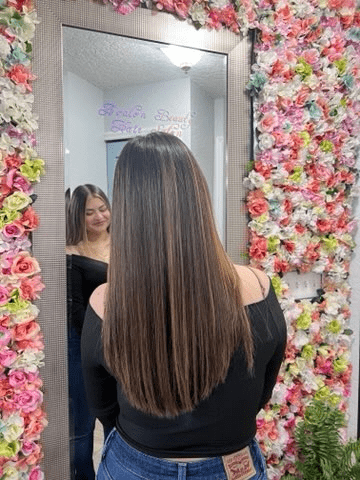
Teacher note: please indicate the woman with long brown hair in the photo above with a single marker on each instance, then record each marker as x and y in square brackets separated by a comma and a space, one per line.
[190, 344]
[88, 250]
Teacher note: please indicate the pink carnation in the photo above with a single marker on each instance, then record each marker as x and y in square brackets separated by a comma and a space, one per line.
[26, 331]
[5, 336]
[30, 287]
[19, 74]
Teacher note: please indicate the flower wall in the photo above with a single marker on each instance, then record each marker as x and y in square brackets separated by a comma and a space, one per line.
[22, 418]
[306, 89]
[306, 84]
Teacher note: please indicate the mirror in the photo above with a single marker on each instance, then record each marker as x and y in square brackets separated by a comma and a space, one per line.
[117, 87]
[49, 239]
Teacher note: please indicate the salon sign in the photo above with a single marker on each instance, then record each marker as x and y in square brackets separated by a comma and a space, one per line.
[132, 121]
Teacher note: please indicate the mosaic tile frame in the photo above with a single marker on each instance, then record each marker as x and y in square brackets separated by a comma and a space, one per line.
[49, 239]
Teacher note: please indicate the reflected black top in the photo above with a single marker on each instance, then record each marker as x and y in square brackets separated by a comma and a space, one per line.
[84, 274]
[223, 423]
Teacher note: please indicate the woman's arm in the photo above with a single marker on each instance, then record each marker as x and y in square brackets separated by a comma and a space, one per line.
[279, 333]
[100, 385]
[75, 297]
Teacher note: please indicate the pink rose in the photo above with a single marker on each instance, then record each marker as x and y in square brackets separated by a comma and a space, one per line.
[17, 378]
[14, 229]
[24, 265]
[7, 357]
[269, 122]
[258, 248]
[4, 295]
[29, 448]
[5, 336]
[311, 55]
[22, 184]
[36, 474]
[30, 287]
[256, 203]
[28, 400]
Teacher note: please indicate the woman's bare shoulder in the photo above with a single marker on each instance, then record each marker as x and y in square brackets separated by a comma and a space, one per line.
[250, 280]
[72, 250]
[97, 300]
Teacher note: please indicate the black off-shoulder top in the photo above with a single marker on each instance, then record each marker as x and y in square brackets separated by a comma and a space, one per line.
[223, 423]
[83, 275]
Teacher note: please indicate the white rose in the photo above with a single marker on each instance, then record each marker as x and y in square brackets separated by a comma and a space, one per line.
[266, 141]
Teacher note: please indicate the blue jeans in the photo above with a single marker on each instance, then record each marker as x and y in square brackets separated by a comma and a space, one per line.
[82, 423]
[120, 461]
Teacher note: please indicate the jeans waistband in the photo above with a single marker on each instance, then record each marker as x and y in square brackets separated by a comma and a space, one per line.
[161, 468]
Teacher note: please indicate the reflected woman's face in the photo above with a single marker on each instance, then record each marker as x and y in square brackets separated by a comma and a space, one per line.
[97, 215]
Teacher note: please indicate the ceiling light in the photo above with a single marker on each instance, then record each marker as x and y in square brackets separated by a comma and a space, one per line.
[184, 58]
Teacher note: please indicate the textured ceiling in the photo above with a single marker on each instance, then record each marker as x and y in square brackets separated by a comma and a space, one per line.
[111, 61]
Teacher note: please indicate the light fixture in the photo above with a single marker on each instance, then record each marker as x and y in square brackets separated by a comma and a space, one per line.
[182, 57]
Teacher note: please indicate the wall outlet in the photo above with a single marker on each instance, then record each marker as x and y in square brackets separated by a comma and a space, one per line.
[303, 285]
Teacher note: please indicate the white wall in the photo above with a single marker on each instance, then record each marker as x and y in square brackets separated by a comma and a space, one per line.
[84, 146]
[219, 193]
[202, 132]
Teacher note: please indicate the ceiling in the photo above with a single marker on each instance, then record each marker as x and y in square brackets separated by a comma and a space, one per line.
[111, 61]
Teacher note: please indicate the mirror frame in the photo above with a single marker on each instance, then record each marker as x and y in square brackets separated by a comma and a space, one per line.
[49, 239]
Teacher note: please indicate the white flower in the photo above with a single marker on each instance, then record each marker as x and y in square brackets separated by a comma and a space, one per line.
[197, 13]
[279, 394]
[266, 141]
[300, 339]
[219, 3]
[27, 314]
[4, 47]
[266, 59]
[254, 180]
[30, 360]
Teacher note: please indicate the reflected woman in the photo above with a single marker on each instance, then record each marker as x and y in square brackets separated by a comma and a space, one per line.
[88, 250]
[191, 343]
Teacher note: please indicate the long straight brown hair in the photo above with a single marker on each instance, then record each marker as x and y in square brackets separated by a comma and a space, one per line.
[173, 315]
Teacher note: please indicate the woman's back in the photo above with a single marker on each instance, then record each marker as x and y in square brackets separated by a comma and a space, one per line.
[222, 423]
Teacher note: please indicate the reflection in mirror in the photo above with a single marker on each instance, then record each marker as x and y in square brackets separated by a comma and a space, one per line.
[115, 88]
